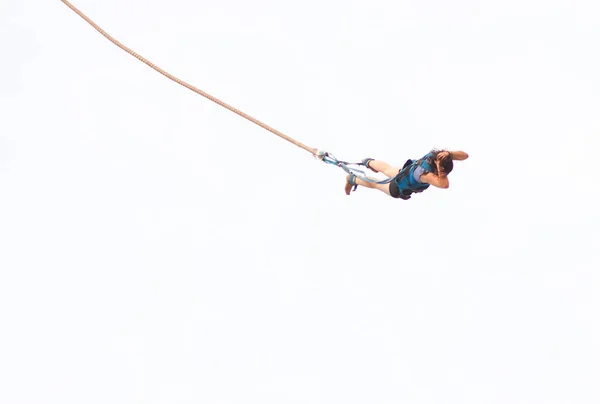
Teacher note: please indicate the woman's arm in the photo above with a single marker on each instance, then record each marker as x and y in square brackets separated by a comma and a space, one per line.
[440, 181]
[459, 155]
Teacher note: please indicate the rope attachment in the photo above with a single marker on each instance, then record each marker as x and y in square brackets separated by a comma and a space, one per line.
[329, 158]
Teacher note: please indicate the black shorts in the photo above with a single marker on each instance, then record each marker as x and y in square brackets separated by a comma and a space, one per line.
[394, 190]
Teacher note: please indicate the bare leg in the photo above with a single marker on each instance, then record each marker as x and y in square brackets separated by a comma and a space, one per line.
[383, 167]
[382, 187]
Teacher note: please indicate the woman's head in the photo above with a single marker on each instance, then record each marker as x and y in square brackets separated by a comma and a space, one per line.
[445, 160]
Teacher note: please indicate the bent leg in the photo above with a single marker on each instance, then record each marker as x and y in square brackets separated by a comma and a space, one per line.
[382, 187]
[383, 167]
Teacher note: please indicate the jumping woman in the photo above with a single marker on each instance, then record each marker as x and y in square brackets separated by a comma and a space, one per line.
[414, 177]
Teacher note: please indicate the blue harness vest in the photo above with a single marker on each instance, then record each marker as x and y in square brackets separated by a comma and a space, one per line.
[406, 181]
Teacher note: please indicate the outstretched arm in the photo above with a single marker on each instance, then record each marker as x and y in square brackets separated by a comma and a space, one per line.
[459, 155]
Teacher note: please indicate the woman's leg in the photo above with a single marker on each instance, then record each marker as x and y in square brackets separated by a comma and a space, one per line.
[383, 167]
[382, 187]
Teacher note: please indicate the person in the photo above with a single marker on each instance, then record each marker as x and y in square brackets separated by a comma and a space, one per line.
[414, 177]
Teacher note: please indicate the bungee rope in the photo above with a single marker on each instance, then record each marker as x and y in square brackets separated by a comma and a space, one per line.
[183, 83]
[318, 154]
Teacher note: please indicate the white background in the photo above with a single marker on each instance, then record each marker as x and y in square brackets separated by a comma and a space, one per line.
[156, 248]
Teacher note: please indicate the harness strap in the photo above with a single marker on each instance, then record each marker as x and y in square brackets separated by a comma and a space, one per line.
[352, 181]
[408, 169]
[330, 159]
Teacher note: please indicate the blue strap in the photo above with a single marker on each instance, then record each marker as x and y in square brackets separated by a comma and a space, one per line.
[352, 181]
[365, 162]
[330, 159]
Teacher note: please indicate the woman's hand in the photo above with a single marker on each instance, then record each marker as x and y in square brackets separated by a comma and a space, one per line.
[443, 155]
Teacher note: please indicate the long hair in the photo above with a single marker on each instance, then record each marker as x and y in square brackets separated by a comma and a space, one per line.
[447, 164]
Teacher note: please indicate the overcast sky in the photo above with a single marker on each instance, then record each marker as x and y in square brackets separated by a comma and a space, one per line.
[157, 248]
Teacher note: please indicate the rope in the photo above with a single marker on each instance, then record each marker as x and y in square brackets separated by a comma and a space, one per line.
[188, 86]
[323, 156]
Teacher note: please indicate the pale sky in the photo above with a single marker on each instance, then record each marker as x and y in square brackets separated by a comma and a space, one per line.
[157, 248]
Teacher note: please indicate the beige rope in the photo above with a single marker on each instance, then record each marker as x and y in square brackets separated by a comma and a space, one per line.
[186, 85]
